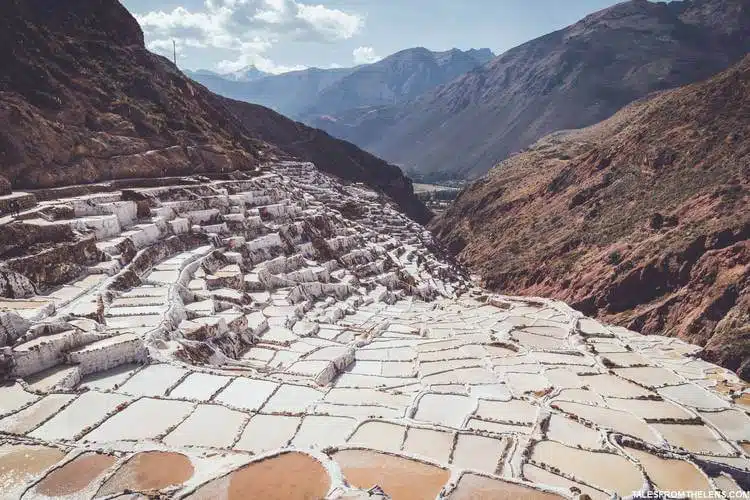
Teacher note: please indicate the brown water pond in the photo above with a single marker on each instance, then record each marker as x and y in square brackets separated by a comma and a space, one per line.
[18, 464]
[153, 470]
[74, 476]
[291, 476]
[401, 478]
[474, 487]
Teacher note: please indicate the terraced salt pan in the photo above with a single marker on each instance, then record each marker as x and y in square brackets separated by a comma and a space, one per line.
[604, 470]
[444, 409]
[649, 409]
[149, 471]
[400, 478]
[75, 476]
[153, 380]
[29, 418]
[292, 399]
[695, 438]
[87, 410]
[611, 419]
[247, 394]
[434, 445]
[264, 433]
[14, 397]
[199, 386]
[571, 433]
[649, 376]
[318, 431]
[210, 426]
[475, 487]
[515, 410]
[290, 476]
[19, 464]
[693, 396]
[144, 419]
[542, 476]
[381, 436]
[479, 453]
[733, 424]
[109, 379]
[670, 474]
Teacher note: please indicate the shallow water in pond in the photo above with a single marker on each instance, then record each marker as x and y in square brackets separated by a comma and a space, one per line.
[670, 474]
[147, 471]
[291, 476]
[401, 478]
[74, 476]
[473, 487]
[18, 464]
[604, 470]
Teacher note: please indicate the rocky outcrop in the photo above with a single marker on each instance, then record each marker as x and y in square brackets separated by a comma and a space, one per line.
[567, 79]
[83, 101]
[641, 219]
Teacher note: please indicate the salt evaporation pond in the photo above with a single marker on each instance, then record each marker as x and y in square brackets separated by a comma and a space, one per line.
[149, 471]
[474, 487]
[75, 476]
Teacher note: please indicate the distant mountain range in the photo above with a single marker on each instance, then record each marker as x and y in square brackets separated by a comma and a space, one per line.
[318, 93]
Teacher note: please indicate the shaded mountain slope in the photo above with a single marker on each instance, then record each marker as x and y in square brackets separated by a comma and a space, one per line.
[641, 219]
[82, 100]
[568, 79]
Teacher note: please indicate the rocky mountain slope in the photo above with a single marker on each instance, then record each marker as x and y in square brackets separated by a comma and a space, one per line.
[568, 79]
[641, 219]
[82, 100]
[398, 78]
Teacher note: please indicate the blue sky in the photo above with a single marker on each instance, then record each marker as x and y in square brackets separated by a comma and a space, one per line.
[279, 35]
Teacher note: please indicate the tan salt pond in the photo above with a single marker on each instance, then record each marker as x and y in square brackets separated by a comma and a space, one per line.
[290, 476]
[650, 376]
[611, 419]
[479, 453]
[474, 487]
[670, 474]
[570, 432]
[614, 386]
[733, 424]
[433, 445]
[696, 438]
[18, 464]
[401, 478]
[149, 471]
[75, 476]
[379, 436]
[268, 432]
[541, 476]
[444, 409]
[603, 470]
[515, 410]
[645, 408]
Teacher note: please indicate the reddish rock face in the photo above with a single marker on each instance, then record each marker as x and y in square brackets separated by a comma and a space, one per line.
[82, 100]
[641, 219]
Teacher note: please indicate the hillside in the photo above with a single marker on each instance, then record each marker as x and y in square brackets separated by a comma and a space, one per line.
[82, 100]
[568, 79]
[641, 220]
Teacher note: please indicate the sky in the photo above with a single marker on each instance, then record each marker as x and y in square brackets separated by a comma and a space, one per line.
[283, 35]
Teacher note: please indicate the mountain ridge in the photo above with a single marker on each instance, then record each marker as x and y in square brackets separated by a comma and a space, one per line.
[567, 79]
[640, 219]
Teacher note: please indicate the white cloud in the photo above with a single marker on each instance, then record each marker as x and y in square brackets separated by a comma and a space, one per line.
[247, 28]
[365, 55]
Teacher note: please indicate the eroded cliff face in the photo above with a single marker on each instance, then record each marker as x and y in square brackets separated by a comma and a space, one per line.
[641, 220]
[82, 101]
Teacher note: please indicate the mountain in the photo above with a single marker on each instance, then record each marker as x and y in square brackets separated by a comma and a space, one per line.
[318, 94]
[82, 100]
[248, 74]
[287, 93]
[641, 219]
[568, 79]
[400, 77]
